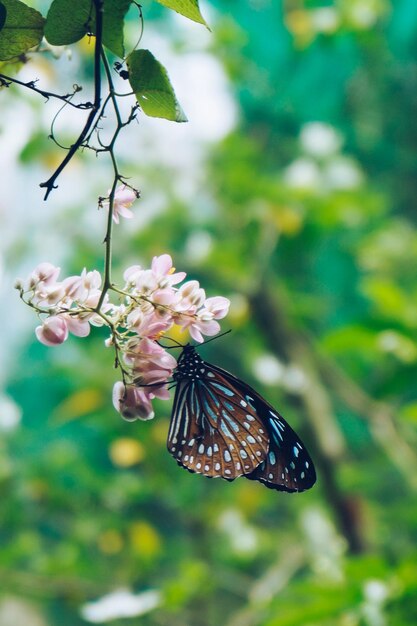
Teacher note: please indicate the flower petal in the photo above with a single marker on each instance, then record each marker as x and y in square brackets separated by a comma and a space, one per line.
[162, 264]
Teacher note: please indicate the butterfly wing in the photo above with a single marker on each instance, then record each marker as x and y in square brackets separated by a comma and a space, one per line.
[214, 430]
[287, 466]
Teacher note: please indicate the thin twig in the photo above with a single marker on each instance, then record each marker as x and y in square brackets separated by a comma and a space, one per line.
[5, 81]
[50, 183]
[107, 283]
[110, 148]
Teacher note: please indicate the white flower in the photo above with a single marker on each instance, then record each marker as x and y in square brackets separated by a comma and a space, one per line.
[268, 370]
[119, 604]
[319, 139]
[343, 173]
[303, 174]
[10, 413]
[325, 19]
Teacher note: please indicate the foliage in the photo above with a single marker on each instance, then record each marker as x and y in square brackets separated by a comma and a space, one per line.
[152, 88]
[21, 28]
[303, 218]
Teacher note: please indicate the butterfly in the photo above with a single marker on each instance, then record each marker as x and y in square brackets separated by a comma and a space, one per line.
[221, 427]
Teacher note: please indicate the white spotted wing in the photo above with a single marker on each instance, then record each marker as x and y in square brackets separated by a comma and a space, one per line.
[214, 430]
[221, 427]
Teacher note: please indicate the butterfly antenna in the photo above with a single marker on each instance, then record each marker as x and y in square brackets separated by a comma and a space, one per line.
[176, 343]
[216, 337]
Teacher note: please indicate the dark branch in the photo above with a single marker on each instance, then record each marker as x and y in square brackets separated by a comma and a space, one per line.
[50, 184]
[6, 81]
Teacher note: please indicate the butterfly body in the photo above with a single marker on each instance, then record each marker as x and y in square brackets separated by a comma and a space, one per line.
[221, 427]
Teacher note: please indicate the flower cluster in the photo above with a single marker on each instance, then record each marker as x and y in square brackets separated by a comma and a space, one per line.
[151, 302]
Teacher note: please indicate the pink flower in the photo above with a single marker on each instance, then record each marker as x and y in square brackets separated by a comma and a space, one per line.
[49, 294]
[160, 391]
[148, 325]
[73, 287]
[132, 402]
[53, 331]
[145, 282]
[202, 321]
[197, 327]
[91, 280]
[150, 362]
[159, 278]
[164, 297]
[45, 273]
[131, 274]
[152, 302]
[190, 297]
[77, 326]
[81, 288]
[124, 197]
[218, 306]
[164, 271]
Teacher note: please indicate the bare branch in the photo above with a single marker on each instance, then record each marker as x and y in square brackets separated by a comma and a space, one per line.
[6, 81]
[50, 183]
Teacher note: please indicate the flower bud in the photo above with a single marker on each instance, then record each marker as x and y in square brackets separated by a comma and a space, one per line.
[131, 402]
[53, 331]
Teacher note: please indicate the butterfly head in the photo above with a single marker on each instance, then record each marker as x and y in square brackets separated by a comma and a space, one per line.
[190, 365]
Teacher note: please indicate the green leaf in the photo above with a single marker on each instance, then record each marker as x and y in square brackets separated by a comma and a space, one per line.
[113, 22]
[153, 90]
[22, 29]
[3, 13]
[187, 8]
[67, 23]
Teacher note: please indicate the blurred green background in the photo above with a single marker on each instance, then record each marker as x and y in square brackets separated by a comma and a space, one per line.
[292, 191]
